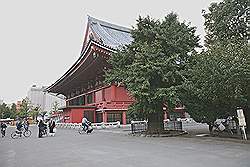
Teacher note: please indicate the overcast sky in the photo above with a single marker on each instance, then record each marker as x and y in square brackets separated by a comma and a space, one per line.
[40, 40]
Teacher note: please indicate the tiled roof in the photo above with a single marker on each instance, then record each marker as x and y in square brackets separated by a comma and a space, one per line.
[106, 35]
[109, 34]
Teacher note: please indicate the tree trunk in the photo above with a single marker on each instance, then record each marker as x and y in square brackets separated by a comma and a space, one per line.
[155, 122]
[210, 127]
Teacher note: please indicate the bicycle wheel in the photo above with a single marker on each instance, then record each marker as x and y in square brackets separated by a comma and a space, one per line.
[27, 133]
[81, 131]
[14, 135]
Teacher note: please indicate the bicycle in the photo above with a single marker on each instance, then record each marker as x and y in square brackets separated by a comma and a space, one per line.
[83, 130]
[23, 132]
[221, 126]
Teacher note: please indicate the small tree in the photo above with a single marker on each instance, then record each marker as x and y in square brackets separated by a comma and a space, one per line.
[4, 111]
[35, 112]
[13, 110]
[25, 109]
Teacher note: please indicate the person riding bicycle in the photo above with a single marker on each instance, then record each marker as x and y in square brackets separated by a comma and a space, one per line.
[3, 128]
[85, 123]
[26, 125]
[19, 125]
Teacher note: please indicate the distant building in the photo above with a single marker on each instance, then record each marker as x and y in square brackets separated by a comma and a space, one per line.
[40, 98]
[18, 105]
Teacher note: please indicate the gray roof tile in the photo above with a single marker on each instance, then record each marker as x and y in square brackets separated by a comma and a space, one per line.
[109, 34]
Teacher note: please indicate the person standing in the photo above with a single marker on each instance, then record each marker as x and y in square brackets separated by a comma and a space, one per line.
[3, 128]
[41, 128]
[52, 125]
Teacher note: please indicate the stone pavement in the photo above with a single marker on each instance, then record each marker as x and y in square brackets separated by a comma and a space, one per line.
[114, 147]
[198, 131]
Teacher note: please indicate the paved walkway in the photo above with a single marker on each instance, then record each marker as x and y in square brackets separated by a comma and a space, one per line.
[112, 148]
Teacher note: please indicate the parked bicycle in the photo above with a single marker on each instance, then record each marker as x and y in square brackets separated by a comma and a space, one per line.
[23, 132]
[222, 126]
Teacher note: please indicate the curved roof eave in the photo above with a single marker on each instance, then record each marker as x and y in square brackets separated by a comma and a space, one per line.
[112, 37]
[83, 54]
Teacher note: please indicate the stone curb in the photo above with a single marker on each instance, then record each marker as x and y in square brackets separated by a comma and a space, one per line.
[159, 135]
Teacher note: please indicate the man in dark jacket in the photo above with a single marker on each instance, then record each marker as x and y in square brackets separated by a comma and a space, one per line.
[41, 128]
[3, 128]
[52, 125]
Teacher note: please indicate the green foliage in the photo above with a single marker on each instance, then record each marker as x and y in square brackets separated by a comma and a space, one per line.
[13, 108]
[34, 112]
[218, 82]
[218, 79]
[227, 20]
[151, 67]
[24, 109]
[6, 112]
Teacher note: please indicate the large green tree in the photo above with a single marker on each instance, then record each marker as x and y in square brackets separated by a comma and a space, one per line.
[218, 82]
[218, 78]
[227, 20]
[151, 67]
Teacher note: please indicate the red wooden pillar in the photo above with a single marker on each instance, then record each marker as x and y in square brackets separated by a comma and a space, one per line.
[94, 116]
[104, 116]
[124, 119]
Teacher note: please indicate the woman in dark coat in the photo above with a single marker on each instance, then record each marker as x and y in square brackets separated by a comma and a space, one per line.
[52, 125]
[41, 128]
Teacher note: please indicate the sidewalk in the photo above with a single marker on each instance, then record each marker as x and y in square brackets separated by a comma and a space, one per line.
[201, 131]
[197, 131]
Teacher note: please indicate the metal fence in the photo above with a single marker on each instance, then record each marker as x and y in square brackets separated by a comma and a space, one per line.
[138, 126]
[141, 126]
[172, 125]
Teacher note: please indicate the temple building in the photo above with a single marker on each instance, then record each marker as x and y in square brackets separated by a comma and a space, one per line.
[86, 94]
